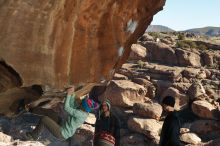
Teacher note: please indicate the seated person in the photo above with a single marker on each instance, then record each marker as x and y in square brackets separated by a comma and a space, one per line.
[106, 126]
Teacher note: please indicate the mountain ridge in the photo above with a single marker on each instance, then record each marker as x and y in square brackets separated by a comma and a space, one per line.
[159, 28]
[208, 30]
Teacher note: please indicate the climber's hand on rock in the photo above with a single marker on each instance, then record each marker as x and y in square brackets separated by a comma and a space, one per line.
[70, 90]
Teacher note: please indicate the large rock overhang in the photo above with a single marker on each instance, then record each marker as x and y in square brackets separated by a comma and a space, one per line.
[62, 42]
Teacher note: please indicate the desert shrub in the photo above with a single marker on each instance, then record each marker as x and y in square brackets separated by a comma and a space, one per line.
[181, 36]
[181, 44]
[202, 47]
[140, 64]
[191, 44]
[215, 66]
[186, 44]
[155, 35]
[207, 37]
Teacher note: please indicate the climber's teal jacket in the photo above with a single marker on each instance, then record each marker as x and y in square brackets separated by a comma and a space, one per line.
[75, 119]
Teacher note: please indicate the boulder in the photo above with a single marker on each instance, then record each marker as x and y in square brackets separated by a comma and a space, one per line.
[133, 140]
[190, 138]
[146, 37]
[10, 99]
[160, 52]
[215, 142]
[212, 89]
[142, 82]
[208, 73]
[9, 78]
[5, 138]
[188, 58]
[202, 127]
[215, 74]
[203, 109]
[125, 71]
[182, 87]
[196, 90]
[161, 86]
[118, 76]
[83, 135]
[166, 41]
[124, 93]
[184, 130]
[181, 99]
[147, 85]
[149, 127]
[122, 114]
[163, 72]
[192, 73]
[24, 143]
[138, 52]
[149, 110]
[207, 58]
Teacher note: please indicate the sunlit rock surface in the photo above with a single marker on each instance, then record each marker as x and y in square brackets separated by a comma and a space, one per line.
[62, 42]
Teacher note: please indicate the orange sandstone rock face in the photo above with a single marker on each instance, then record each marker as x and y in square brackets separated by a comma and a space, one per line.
[61, 42]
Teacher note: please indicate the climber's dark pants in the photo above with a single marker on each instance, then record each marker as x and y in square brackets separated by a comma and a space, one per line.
[47, 112]
[50, 120]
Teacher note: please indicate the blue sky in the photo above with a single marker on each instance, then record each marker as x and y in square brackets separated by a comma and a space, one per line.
[186, 14]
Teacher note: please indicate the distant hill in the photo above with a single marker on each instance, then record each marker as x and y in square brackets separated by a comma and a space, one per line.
[210, 31]
[159, 28]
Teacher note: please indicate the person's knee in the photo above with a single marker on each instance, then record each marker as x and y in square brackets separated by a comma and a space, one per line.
[45, 119]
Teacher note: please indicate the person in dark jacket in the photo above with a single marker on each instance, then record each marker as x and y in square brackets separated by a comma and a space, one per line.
[171, 126]
[106, 127]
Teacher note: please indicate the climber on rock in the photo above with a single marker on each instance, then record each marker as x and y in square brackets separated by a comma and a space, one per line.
[77, 114]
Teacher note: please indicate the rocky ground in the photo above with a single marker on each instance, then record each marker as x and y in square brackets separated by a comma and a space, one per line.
[181, 65]
[185, 66]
